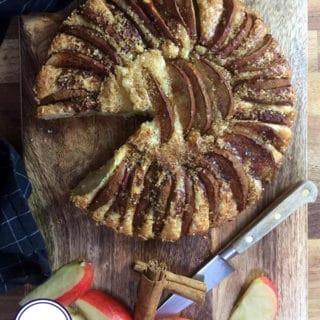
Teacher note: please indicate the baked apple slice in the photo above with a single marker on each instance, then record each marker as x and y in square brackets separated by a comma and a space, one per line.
[277, 69]
[151, 9]
[267, 53]
[126, 38]
[172, 228]
[162, 203]
[260, 159]
[107, 195]
[201, 212]
[113, 216]
[55, 84]
[231, 19]
[221, 97]
[203, 114]
[94, 38]
[280, 93]
[189, 204]
[247, 110]
[69, 43]
[183, 96]
[186, 12]
[162, 107]
[126, 225]
[77, 61]
[250, 44]
[211, 13]
[239, 38]
[279, 136]
[231, 170]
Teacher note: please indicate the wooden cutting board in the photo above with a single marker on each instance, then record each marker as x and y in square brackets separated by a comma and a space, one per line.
[59, 153]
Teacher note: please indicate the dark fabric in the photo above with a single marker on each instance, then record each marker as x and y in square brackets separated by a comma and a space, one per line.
[23, 256]
[16, 7]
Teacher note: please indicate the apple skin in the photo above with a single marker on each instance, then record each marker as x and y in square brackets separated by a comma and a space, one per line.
[58, 288]
[97, 305]
[80, 288]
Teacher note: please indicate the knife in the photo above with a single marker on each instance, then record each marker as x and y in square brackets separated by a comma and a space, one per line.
[218, 268]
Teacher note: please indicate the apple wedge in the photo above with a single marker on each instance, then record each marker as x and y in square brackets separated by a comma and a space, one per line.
[203, 112]
[65, 285]
[97, 305]
[259, 302]
[162, 106]
[183, 94]
[222, 96]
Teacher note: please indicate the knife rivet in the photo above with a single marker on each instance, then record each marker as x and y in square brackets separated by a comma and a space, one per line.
[249, 239]
[305, 192]
[277, 216]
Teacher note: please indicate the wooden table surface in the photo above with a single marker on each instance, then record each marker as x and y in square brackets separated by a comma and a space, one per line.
[10, 128]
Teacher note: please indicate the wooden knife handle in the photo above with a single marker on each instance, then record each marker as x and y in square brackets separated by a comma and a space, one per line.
[273, 215]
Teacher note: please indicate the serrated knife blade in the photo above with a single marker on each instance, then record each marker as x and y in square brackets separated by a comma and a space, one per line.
[218, 268]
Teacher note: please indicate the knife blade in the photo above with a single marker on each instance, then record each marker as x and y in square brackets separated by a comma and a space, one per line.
[218, 268]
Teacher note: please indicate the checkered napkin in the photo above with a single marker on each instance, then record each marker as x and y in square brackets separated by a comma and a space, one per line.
[23, 257]
[16, 7]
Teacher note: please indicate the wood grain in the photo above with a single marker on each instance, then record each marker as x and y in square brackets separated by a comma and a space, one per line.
[59, 152]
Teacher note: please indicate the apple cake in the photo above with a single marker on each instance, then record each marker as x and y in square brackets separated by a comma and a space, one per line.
[218, 90]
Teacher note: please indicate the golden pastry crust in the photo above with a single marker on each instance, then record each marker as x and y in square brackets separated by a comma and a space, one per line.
[218, 88]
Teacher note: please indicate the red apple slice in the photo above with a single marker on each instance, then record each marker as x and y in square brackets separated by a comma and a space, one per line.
[78, 61]
[203, 114]
[162, 107]
[183, 96]
[65, 285]
[110, 190]
[260, 159]
[152, 11]
[225, 25]
[97, 305]
[186, 12]
[259, 302]
[223, 97]
[242, 34]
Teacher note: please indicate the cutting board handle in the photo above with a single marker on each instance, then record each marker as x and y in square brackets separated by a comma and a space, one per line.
[273, 215]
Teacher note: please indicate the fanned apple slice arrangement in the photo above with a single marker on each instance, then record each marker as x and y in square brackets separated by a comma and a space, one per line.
[217, 86]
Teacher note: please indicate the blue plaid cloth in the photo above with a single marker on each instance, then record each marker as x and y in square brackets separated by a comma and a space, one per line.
[16, 7]
[23, 256]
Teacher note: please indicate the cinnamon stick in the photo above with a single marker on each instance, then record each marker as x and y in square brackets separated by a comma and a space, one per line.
[150, 289]
[189, 288]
